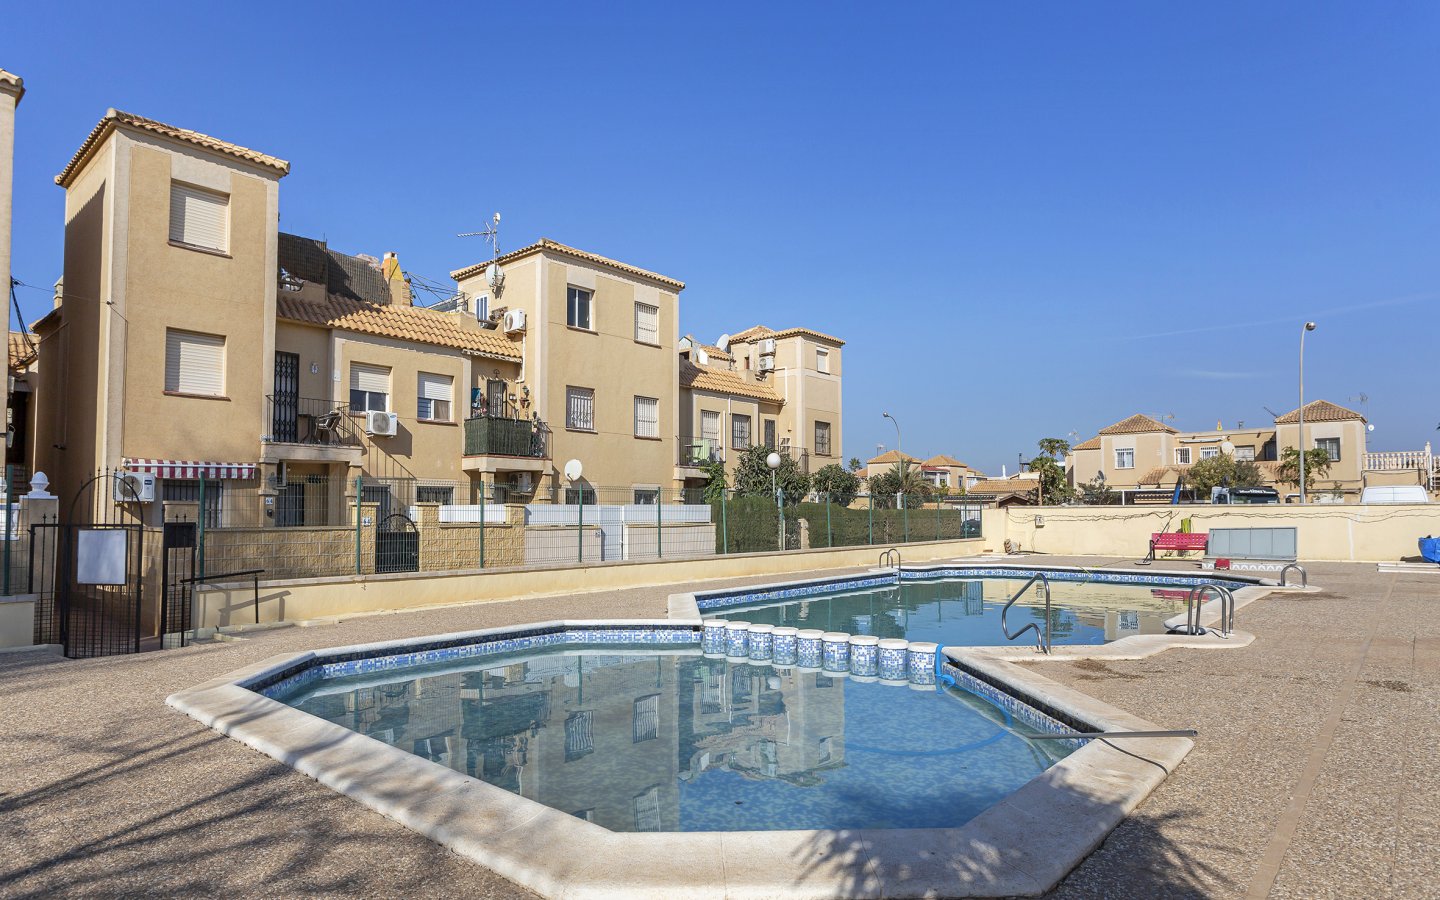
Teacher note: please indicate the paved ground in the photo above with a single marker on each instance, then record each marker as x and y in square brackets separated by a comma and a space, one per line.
[1314, 775]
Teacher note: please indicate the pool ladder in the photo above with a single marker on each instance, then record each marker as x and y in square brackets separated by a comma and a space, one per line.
[1304, 576]
[890, 557]
[1196, 599]
[1042, 639]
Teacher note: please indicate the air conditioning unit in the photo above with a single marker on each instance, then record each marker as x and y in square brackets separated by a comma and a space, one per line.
[133, 487]
[514, 320]
[381, 424]
[523, 484]
[767, 364]
[767, 347]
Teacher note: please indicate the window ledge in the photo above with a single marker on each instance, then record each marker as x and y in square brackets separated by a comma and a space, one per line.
[198, 249]
[647, 343]
[581, 330]
[642, 437]
[581, 430]
[436, 422]
[196, 396]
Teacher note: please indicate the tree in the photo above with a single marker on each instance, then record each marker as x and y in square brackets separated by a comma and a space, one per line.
[1055, 448]
[1317, 465]
[715, 480]
[1222, 469]
[1096, 492]
[752, 475]
[855, 464]
[1054, 487]
[839, 484]
[901, 478]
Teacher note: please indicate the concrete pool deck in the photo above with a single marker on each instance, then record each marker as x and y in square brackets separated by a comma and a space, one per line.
[1314, 741]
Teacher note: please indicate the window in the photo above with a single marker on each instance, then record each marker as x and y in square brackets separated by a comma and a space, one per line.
[647, 417]
[187, 490]
[647, 718]
[434, 493]
[769, 427]
[1125, 459]
[1182, 456]
[433, 402]
[584, 494]
[1245, 453]
[710, 429]
[580, 408]
[579, 735]
[194, 363]
[1209, 452]
[369, 388]
[822, 438]
[822, 360]
[647, 496]
[740, 432]
[199, 218]
[1331, 446]
[577, 308]
[647, 323]
[482, 307]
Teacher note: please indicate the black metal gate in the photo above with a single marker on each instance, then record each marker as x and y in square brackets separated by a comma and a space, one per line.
[177, 589]
[89, 573]
[397, 544]
[286, 416]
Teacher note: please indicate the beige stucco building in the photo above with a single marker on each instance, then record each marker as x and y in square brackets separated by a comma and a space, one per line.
[12, 88]
[723, 412]
[945, 473]
[804, 369]
[1141, 453]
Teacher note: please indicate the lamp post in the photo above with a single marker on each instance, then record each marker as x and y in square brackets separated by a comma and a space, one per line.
[899, 494]
[773, 461]
[1300, 439]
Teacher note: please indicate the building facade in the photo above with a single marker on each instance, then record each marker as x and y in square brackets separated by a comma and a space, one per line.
[804, 368]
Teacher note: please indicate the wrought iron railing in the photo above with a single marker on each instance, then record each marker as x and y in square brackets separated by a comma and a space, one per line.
[504, 436]
[699, 451]
[307, 420]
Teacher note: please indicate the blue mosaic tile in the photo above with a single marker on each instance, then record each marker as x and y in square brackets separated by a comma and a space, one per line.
[864, 659]
[892, 664]
[835, 656]
[785, 650]
[808, 652]
[1023, 710]
[922, 666]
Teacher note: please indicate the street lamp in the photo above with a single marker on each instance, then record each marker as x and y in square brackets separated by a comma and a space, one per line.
[773, 461]
[1309, 326]
[897, 429]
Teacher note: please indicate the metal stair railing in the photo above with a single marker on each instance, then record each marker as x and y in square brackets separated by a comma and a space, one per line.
[1196, 599]
[1042, 638]
[1304, 576]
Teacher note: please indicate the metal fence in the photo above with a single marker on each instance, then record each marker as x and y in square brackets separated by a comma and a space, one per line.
[316, 526]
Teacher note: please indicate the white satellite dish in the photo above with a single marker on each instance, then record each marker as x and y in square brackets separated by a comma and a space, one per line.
[573, 470]
[1227, 448]
[494, 277]
[724, 343]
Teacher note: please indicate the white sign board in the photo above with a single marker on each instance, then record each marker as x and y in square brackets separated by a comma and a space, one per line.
[100, 555]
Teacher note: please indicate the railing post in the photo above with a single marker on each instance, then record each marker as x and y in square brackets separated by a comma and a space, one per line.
[870, 507]
[724, 522]
[200, 544]
[359, 492]
[580, 522]
[482, 520]
[937, 520]
[659, 522]
[829, 534]
[9, 525]
[905, 514]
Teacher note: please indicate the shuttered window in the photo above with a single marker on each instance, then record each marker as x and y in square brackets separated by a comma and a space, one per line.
[740, 432]
[369, 388]
[199, 218]
[433, 402]
[647, 323]
[710, 428]
[647, 417]
[194, 363]
[580, 408]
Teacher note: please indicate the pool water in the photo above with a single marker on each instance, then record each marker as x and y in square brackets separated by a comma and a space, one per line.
[647, 740]
[966, 612]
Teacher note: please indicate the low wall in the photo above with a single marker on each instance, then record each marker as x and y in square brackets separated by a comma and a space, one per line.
[1353, 533]
[320, 597]
[17, 620]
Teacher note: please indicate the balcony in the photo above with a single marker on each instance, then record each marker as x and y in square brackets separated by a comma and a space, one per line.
[309, 429]
[695, 452]
[505, 444]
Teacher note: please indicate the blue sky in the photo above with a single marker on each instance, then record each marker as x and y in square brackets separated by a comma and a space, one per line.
[1025, 221]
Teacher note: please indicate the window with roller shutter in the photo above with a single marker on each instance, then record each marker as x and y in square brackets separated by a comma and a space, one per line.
[199, 218]
[194, 363]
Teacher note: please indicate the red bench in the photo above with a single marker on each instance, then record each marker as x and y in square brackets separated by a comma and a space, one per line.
[1177, 540]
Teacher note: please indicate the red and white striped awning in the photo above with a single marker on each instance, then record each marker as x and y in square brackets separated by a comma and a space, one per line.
[180, 468]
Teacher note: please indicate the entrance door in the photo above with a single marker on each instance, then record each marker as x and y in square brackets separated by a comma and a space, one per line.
[495, 397]
[290, 506]
[286, 402]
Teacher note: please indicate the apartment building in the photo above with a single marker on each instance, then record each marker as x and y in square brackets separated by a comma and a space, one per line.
[723, 412]
[12, 88]
[945, 473]
[804, 369]
[1141, 453]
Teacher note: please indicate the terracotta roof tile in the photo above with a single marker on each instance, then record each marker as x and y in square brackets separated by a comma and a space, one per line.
[943, 460]
[114, 118]
[545, 244]
[1137, 424]
[1003, 486]
[1092, 444]
[723, 381]
[892, 456]
[408, 323]
[760, 331]
[22, 349]
[1320, 411]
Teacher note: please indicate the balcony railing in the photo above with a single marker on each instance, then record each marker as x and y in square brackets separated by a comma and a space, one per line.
[504, 436]
[1400, 460]
[699, 451]
[307, 420]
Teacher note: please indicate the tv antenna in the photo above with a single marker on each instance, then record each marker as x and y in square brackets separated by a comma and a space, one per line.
[1273, 413]
[493, 276]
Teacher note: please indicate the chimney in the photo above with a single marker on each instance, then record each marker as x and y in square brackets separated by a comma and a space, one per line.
[399, 284]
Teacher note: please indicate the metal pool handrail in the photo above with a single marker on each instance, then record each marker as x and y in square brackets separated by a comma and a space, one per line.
[1304, 576]
[1196, 599]
[894, 554]
[1042, 639]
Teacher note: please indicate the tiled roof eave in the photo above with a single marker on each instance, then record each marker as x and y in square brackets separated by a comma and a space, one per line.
[546, 245]
[114, 119]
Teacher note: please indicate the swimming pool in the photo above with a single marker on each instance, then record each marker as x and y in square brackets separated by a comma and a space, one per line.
[637, 738]
[950, 609]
